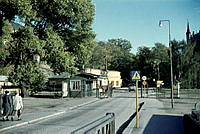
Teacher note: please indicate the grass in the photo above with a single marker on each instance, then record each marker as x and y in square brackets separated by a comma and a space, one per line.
[183, 91]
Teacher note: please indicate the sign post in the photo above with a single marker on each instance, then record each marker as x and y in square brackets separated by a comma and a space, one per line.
[144, 83]
[137, 115]
[135, 75]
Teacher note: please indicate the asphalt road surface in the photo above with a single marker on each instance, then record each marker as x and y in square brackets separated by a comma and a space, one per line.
[122, 104]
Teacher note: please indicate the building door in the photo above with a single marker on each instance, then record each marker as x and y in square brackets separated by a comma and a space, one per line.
[64, 89]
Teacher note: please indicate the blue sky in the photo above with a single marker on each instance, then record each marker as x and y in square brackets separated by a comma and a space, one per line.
[137, 20]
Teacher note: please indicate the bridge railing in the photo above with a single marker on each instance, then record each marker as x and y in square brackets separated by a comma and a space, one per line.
[103, 125]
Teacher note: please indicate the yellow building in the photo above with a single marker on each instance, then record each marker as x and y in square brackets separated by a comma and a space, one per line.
[111, 77]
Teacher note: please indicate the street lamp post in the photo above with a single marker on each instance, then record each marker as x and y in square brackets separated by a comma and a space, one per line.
[170, 46]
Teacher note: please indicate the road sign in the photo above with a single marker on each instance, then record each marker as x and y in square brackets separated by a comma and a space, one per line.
[144, 83]
[144, 78]
[135, 75]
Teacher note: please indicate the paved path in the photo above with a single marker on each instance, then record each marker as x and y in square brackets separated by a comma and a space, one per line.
[157, 117]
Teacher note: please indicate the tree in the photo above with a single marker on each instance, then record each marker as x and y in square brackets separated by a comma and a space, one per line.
[19, 53]
[101, 56]
[177, 53]
[144, 61]
[161, 63]
[4, 44]
[55, 55]
[59, 31]
[28, 75]
[71, 20]
[112, 56]
[122, 43]
[190, 62]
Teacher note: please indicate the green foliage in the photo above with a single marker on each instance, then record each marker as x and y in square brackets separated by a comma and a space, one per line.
[124, 44]
[190, 67]
[71, 20]
[6, 70]
[112, 56]
[24, 46]
[59, 31]
[177, 51]
[59, 60]
[161, 63]
[28, 75]
[144, 61]
[160, 52]
[5, 40]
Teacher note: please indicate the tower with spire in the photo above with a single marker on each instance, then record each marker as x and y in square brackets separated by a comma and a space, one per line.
[193, 39]
[188, 32]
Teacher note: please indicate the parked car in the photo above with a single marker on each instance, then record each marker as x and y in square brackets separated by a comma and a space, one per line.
[131, 88]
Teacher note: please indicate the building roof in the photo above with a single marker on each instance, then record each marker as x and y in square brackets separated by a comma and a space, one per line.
[101, 70]
[3, 78]
[89, 75]
[61, 76]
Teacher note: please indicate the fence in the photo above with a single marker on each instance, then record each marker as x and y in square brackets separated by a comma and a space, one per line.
[103, 125]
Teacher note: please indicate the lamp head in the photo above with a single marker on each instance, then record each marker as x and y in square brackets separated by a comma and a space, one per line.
[160, 24]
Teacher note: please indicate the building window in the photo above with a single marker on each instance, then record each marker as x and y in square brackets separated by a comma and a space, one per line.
[75, 85]
[52, 82]
[100, 83]
[117, 83]
[112, 82]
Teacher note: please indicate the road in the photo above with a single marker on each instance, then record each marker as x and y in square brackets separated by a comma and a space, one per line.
[122, 104]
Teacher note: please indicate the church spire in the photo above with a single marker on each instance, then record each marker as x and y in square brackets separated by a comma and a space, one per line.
[188, 32]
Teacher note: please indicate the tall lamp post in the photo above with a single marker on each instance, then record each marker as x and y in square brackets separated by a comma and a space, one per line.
[170, 46]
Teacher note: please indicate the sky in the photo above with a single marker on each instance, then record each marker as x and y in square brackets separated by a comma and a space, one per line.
[138, 20]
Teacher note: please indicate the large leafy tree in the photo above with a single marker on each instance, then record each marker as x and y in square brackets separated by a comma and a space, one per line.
[59, 31]
[5, 38]
[114, 55]
[71, 20]
[144, 61]
[161, 63]
[123, 60]
[122, 43]
[101, 56]
[177, 51]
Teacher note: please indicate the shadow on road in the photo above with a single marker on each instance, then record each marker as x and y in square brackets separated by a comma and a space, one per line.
[165, 124]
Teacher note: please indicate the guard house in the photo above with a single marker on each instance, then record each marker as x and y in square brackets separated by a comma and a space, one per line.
[82, 85]
[56, 84]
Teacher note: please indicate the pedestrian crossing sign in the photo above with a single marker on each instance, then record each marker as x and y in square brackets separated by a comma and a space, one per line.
[135, 75]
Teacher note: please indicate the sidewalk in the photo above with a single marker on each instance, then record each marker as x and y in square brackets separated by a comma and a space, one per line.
[36, 109]
[157, 118]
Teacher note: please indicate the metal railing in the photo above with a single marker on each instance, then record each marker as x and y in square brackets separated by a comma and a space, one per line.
[103, 125]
